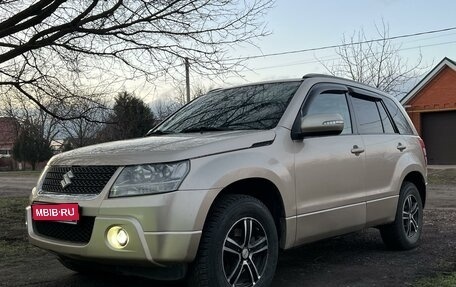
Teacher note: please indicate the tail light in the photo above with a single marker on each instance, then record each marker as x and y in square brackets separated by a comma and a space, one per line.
[423, 148]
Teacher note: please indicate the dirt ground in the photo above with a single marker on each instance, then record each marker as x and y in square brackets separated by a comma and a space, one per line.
[357, 259]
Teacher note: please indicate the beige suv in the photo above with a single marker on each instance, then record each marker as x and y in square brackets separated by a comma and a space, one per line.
[215, 190]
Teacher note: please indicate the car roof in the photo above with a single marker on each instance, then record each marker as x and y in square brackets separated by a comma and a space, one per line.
[331, 78]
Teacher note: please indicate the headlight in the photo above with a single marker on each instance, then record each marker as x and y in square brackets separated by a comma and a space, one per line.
[150, 178]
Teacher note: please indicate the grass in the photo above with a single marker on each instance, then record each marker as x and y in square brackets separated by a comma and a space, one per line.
[442, 176]
[21, 173]
[13, 235]
[12, 210]
[441, 280]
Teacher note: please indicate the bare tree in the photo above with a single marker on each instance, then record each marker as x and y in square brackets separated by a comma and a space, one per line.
[196, 90]
[376, 63]
[79, 132]
[30, 146]
[162, 108]
[15, 106]
[65, 49]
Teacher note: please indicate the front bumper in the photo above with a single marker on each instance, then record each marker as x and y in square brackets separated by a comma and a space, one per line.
[164, 229]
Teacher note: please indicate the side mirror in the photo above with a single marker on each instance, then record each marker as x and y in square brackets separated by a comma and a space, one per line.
[322, 124]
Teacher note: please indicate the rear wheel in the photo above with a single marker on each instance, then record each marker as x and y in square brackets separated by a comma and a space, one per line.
[239, 245]
[405, 232]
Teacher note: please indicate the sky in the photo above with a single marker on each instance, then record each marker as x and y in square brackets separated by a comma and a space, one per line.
[307, 24]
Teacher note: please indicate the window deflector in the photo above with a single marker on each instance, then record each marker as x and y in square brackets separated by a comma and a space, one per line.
[315, 90]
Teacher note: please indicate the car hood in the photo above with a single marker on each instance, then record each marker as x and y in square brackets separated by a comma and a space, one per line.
[164, 148]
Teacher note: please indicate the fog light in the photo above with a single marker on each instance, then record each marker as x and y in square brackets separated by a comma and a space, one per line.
[122, 237]
[117, 237]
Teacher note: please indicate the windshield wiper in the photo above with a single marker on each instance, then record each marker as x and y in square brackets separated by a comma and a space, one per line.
[205, 129]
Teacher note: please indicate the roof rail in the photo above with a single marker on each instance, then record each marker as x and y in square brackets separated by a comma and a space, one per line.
[315, 75]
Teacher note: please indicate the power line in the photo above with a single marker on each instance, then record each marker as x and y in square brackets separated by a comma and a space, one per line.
[333, 58]
[344, 45]
[326, 48]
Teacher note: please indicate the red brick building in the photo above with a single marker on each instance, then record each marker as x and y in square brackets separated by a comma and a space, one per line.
[431, 105]
[9, 128]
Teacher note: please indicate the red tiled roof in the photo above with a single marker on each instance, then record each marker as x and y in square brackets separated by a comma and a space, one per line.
[446, 62]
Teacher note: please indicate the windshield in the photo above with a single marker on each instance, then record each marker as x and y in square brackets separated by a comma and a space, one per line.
[248, 107]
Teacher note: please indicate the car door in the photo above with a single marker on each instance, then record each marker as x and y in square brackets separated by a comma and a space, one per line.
[329, 171]
[383, 148]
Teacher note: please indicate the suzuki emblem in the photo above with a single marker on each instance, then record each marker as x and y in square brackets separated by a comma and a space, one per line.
[66, 179]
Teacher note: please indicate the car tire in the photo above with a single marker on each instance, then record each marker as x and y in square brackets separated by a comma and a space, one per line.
[239, 245]
[405, 232]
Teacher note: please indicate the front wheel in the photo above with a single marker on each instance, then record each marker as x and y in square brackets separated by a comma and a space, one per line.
[239, 245]
[405, 232]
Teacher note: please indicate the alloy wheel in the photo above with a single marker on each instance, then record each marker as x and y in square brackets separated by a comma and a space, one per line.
[410, 216]
[245, 253]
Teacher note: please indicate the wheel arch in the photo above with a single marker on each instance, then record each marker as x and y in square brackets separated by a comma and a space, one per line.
[418, 180]
[265, 191]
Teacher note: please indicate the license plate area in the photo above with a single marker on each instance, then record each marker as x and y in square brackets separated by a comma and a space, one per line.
[63, 212]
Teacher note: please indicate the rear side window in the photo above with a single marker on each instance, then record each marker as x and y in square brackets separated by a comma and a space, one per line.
[398, 118]
[367, 115]
[387, 125]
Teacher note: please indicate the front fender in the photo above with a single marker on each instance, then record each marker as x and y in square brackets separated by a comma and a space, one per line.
[218, 171]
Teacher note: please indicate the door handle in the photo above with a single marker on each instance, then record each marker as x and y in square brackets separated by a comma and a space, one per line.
[401, 147]
[357, 150]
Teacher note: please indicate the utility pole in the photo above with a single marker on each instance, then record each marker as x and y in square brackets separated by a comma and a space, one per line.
[187, 79]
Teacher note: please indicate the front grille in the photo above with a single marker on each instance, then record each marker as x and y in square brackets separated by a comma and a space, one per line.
[84, 180]
[78, 233]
